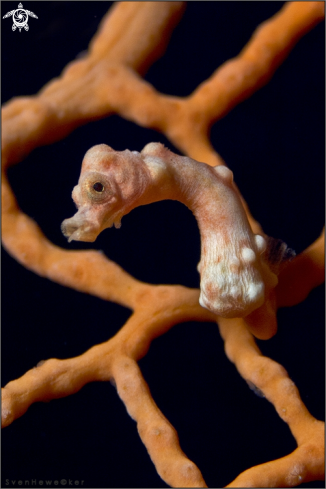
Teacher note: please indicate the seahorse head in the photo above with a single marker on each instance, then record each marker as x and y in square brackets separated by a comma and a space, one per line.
[109, 185]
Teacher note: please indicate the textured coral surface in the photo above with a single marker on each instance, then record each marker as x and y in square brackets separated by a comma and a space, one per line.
[274, 143]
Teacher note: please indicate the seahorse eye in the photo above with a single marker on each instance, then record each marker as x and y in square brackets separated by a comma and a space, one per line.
[98, 187]
[95, 188]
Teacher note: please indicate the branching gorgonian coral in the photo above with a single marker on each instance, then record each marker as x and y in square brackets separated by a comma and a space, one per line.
[236, 273]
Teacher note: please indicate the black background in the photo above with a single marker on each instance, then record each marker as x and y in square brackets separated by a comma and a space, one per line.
[274, 143]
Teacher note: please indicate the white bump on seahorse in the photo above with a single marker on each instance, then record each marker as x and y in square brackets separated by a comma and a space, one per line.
[248, 255]
[233, 273]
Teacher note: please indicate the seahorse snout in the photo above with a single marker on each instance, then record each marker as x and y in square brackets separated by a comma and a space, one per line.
[76, 229]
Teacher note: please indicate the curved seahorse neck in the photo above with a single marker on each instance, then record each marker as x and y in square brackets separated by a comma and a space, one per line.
[208, 192]
[233, 276]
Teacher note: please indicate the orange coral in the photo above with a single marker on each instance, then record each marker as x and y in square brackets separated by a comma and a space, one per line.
[84, 93]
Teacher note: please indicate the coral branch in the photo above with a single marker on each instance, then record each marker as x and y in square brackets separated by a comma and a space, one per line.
[157, 310]
[158, 435]
[306, 272]
[307, 462]
[270, 44]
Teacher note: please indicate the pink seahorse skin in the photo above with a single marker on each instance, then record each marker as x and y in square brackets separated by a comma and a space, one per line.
[234, 277]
